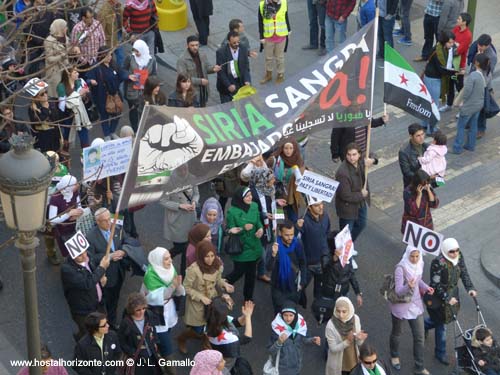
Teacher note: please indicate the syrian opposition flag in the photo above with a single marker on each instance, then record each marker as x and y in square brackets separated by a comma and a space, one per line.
[404, 89]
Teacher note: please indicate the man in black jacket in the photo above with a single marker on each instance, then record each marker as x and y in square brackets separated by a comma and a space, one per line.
[408, 155]
[82, 284]
[233, 60]
[99, 344]
[98, 239]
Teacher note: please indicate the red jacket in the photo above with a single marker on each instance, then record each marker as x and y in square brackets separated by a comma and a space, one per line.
[464, 39]
[339, 8]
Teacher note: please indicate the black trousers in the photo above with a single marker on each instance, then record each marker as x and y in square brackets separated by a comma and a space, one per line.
[180, 248]
[459, 84]
[203, 27]
[111, 297]
[430, 32]
[248, 269]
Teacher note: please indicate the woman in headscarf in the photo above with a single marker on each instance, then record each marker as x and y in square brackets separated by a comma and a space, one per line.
[261, 181]
[243, 220]
[289, 333]
[140, 65]
[161, 284]
[344, 336]
[56, 54]
[213, 216]
[408, 277]
[203, 283]
[287, 166]
[64, 209]
[446, 270]
[208, 362]
[198, 232]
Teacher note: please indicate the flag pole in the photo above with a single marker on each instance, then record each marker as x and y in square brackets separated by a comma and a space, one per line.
[374, 60]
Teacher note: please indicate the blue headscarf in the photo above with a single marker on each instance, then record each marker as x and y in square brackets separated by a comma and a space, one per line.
[286, 278]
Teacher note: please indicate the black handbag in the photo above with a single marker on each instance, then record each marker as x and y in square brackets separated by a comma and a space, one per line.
[432, 302]
[233, 245]
[491, 108]
[322, 308]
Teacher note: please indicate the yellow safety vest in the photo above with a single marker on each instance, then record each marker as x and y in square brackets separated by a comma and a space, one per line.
[275, 26]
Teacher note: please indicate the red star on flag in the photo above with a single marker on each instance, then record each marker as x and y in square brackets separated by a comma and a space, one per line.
[221, 336]
[280, 328]
[302, 322]
[403, 79]
[423, 88]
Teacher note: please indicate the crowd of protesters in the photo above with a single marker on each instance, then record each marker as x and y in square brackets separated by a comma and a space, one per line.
[75, 74]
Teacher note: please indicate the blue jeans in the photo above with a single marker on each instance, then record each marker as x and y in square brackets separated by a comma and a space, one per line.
[434, 87]
[108, 125]
[463, 120]
[316, 14]
[331, 26]
[481, 122]
[439, 337]
[166, 347]
[82, 134]
[404, 8]
[490, 371]
[385, 34]
[357, 225]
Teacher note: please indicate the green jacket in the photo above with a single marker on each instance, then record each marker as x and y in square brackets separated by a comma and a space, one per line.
[252, 247]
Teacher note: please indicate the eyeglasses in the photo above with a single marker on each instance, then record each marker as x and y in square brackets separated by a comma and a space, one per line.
[454, 251]
[368, 363]
[105, 325]
[140, 309]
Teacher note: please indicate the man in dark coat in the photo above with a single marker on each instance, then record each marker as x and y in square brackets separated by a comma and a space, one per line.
[202, 10]
[82, 284]
[233, 60]
[408, 155]
[99, 344]
[353, 196]
[98, 240]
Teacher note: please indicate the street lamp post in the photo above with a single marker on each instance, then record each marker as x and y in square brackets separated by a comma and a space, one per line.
[25, 175]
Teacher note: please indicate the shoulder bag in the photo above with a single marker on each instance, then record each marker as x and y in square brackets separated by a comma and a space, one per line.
[388, 291]
[126, 369]
[233, 245]
[271, 368]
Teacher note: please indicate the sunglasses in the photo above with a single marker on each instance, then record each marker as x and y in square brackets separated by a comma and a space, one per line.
[368, 363]
[454, 251]
[105, 325]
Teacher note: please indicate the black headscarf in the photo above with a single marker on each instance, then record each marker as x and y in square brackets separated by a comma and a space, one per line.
[237, 200]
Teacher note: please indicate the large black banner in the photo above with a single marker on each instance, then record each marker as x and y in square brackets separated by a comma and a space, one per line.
[179, 147]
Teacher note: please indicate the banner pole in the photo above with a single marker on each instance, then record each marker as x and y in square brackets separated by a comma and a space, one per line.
[374, 60]
[108, 186]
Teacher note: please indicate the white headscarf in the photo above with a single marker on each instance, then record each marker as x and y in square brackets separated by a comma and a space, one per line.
[345, 302]
[155, 258]
[143, 59]
[66, 186]
[415, 270]
[447, 245]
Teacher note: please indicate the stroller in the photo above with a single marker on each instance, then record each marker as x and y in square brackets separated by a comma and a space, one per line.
[465, 363]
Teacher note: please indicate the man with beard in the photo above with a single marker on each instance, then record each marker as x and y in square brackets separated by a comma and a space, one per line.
[195, 65]
[234, 74]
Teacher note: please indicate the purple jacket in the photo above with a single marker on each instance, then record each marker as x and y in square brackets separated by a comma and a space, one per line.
[414, 308]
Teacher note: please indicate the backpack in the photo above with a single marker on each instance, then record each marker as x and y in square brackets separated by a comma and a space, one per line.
[241, 367]
[388, 290]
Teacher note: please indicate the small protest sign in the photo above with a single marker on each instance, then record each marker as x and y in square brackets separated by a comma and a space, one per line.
[422, 238]
[112, 156]
[343, 240]
[77, 244]
[317, 186]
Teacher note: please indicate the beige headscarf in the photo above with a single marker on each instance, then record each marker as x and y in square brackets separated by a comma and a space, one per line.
[58, 28]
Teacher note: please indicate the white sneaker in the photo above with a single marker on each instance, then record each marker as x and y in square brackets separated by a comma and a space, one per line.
[445, 108]
[354, 264]
[354, 253]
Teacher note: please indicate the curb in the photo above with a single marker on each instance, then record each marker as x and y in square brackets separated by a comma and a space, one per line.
[490, 264]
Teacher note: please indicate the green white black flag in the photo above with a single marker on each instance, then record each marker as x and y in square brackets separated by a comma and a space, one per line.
[404, 89]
